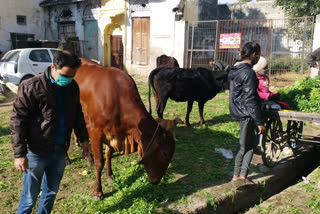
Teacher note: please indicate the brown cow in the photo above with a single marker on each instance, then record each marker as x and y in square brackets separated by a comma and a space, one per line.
[113, 111]
[87, 62]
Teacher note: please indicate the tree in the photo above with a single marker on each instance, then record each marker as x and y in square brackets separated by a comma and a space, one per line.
[299, 8]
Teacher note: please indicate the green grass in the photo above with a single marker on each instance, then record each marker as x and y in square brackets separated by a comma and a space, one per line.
[195, 166]
[2, 98]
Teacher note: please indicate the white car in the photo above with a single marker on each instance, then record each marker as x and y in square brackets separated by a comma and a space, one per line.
[20, 64]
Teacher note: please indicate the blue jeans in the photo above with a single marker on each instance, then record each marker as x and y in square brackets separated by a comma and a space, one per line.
[50, 169]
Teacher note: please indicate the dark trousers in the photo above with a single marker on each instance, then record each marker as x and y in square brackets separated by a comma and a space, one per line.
[247, 143]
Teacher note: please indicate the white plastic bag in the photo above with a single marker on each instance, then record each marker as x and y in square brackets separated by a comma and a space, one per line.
[226, 153]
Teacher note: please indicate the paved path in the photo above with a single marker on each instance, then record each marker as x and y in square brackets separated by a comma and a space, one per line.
[304, 197]
[232, 198]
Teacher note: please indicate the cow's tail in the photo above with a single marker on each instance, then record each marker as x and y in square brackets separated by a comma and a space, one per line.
[149, 94]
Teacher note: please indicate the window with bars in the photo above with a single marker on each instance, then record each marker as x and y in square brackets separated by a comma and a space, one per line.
[21, 20]
[19, 40]
[67, 30]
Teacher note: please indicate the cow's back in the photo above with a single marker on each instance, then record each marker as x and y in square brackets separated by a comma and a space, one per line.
[167, 61]
[109, 97]
[185, 84]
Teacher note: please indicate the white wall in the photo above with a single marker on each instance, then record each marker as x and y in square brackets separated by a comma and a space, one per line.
[162, 35]
[9, 9]
[179, 41]
[316, 34]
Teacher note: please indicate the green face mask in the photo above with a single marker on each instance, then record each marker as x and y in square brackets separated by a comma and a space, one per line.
[63, 81]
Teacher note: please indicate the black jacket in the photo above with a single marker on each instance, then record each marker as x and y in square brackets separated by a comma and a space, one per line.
[244, 101]
[313, 58]
[34, 120]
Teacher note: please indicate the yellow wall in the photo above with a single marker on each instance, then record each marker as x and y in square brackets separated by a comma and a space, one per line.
[113, 15]
[112, 4]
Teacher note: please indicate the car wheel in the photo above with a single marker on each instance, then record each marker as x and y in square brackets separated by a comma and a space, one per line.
[26, 77]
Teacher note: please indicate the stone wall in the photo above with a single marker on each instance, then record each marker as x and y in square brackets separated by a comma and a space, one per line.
[250, 10]
[207, 9]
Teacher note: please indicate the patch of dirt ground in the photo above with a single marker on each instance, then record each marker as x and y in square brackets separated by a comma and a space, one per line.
[285, 79]
[6, 101]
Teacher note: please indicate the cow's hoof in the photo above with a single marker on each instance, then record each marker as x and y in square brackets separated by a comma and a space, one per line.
[109, 180]
[97, 198]
[89, 162]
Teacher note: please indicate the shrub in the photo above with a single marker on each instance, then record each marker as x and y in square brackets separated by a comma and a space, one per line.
[303, 96]
[286, 64]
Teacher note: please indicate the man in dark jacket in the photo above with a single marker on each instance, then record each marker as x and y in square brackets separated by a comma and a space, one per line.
[45, 111]
[313, 60]
[245, 107]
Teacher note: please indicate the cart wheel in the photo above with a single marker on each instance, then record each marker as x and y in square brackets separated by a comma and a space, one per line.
[271, 143]
[294, 131]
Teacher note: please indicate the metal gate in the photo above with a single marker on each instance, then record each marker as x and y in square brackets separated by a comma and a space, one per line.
[285, 42]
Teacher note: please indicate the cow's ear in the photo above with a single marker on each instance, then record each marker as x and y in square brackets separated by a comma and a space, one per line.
[167, 135]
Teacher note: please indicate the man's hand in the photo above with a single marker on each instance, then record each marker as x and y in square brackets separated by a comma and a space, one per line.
[21, 164]
[262, 129]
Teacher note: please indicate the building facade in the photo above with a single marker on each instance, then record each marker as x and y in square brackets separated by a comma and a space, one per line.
[128, 34]
[250, 10]
[20, 22]
[74, 23]
[136, 32]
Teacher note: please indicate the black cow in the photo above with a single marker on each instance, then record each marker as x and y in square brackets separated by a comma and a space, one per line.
[167, 61]
[187, 84]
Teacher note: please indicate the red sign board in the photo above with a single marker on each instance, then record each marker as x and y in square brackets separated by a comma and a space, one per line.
[230, 40]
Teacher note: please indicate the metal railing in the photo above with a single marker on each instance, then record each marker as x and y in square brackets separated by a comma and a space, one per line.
[285, 42]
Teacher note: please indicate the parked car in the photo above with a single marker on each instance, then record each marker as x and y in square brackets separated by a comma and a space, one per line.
[20, 64]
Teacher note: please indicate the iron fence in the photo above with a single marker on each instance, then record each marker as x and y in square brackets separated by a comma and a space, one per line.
[285, 42]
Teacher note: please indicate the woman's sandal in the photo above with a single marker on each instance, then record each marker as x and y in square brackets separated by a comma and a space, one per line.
[242, 181]
[247, 181]
[237, 182]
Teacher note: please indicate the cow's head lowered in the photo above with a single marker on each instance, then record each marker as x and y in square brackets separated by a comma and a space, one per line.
[158, 154]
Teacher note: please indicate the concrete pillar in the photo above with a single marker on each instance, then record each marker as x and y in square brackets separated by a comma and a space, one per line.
[316, 44]
[316, 34]
[179, 41]
[314, 72]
